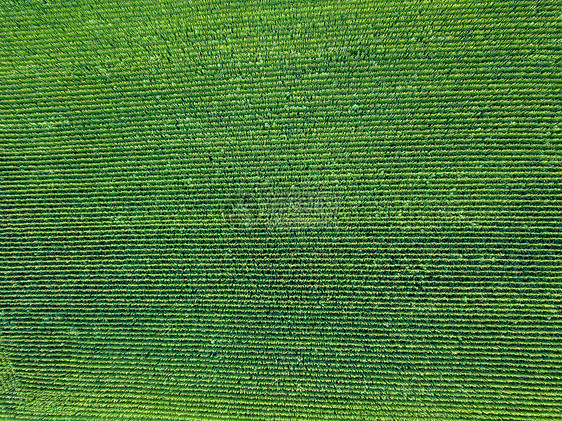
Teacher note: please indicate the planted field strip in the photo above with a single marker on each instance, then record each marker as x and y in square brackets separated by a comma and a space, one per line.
[268, 210]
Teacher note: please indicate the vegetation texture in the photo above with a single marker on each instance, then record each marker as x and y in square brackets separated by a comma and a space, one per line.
[280, 210]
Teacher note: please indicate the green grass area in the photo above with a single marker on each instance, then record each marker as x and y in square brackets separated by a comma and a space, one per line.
[280, 210]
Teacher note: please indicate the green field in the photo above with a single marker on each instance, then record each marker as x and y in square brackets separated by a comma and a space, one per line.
[280, 210]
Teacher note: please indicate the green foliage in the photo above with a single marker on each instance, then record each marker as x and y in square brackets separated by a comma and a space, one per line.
[280, 210]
